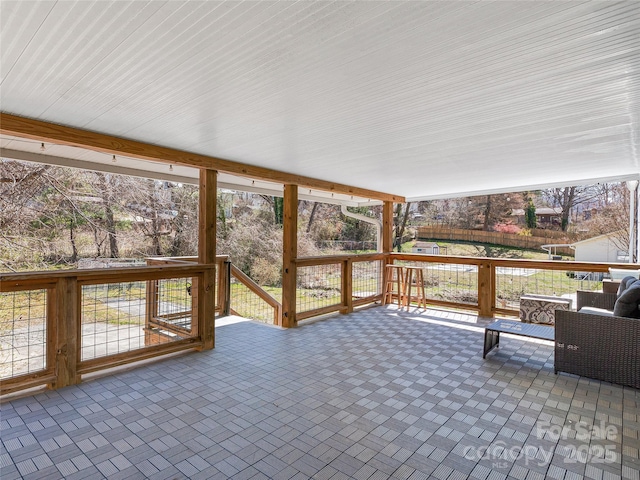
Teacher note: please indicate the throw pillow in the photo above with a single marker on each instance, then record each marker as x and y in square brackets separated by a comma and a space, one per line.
[627, 304]
[625, 283]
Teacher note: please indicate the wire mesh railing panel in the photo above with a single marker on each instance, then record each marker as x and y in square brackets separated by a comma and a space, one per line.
[318, 286]
[512, 283]
[23, 332]
[448, 282]
[113, 317]
[366, 279]
[248, 304]
[174, 302]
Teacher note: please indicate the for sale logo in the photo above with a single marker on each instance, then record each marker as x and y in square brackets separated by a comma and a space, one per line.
[581, 443]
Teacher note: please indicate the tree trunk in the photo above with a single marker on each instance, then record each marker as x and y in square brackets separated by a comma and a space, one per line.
[401, 227]
[487, 214]
[111, 231]
[155, 235]
[567, 204]
[97, 242]
[176, 245]
[72, 239]
[278, 204]
[311, 217]
[107, 187]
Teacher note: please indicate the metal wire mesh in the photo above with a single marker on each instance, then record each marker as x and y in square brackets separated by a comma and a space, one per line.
[366, 279]
[247, 304]
[23, 332]
[318, 286]
[449, 282]
[512, 283]
[113, 316]
[174, 302]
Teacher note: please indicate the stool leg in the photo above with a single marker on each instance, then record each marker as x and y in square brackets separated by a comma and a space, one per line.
[399, 286]
[423, 296]
[388, 286]
[409, 278]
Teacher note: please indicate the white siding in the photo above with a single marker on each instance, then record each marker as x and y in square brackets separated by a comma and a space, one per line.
[598, 250]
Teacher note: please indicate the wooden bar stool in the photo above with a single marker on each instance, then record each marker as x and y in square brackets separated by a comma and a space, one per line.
[414, 274]
[394, 279]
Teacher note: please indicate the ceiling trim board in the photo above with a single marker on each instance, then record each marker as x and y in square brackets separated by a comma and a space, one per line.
[135, 172]
[64, 135]
[98, 167]
[527, 188]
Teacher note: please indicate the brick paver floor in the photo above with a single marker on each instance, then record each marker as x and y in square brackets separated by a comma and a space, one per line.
[372, 395]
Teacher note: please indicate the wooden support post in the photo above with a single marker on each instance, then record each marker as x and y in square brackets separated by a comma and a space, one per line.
[387, 245]
[67, 331]
[289, 255]
[206, 306]
[347, 285]
[486, 289]
[387, 227]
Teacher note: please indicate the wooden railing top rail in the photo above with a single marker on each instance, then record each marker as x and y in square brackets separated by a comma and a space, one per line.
[516, 263]
[329, 259]
[175, 260]
[21, 281]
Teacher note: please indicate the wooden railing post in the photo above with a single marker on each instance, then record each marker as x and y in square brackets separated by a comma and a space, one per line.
[486, 288]
[226, 303]
[224, 287]
[347, 285]
[66, 331]
[206, 309]
[289, 255]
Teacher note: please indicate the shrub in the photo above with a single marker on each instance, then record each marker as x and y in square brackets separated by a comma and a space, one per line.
[265, 272]
[506, 228]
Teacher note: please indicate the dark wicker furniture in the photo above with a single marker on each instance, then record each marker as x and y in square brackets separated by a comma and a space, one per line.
[602, 347]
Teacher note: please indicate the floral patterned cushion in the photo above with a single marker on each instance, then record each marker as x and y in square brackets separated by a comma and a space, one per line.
[542, 309]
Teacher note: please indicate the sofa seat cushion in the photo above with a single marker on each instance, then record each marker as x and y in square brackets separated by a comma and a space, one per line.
[596, 311]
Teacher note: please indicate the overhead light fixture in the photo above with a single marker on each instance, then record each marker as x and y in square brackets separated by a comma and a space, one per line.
[42, 147]
[171, 168]
[113, 159]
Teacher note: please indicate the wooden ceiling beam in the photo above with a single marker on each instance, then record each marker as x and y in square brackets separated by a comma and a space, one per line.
[64, 135]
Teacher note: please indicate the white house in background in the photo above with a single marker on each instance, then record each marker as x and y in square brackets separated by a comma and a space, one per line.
[602, 248]
[429, 248]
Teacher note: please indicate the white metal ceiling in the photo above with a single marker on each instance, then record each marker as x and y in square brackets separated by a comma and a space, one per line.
[421, 99]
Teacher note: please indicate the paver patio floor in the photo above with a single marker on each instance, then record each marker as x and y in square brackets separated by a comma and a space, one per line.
[372, 395]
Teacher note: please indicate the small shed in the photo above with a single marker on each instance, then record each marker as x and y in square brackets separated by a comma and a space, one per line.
[603, 248]
[428, 248]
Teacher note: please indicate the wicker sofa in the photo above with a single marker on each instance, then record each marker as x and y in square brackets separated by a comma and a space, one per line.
[599, 346]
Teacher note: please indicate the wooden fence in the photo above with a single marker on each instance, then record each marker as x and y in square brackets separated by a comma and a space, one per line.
[493, 238]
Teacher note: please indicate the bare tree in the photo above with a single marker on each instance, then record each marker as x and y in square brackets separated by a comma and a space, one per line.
[567, 198]
[400, 223]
